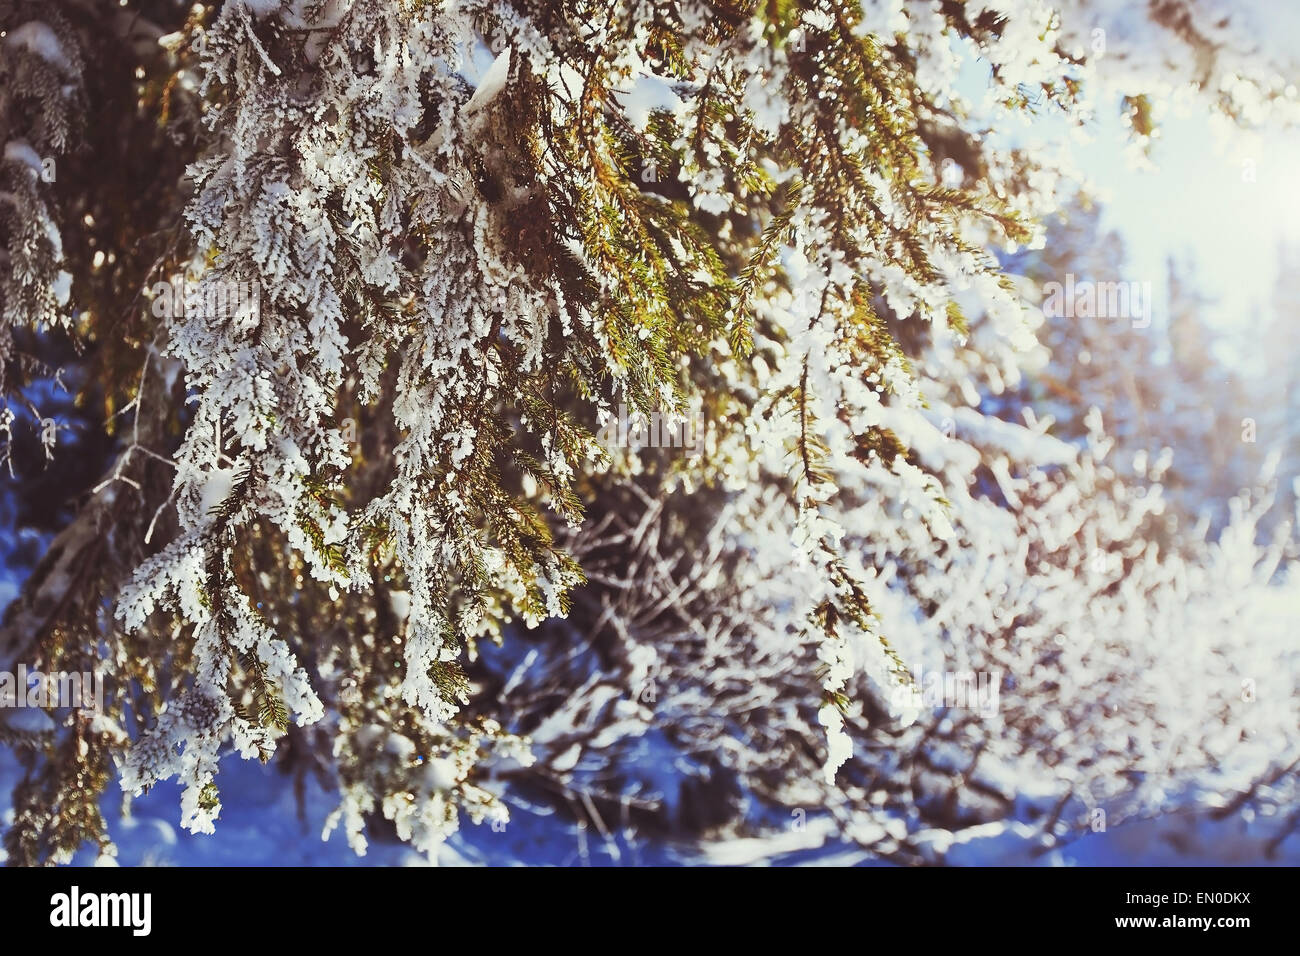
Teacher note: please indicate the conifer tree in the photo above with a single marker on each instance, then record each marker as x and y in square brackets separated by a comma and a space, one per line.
[363, 283]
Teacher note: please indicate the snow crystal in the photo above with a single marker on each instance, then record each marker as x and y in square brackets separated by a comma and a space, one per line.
[494, 80]
[21, 151]
[261, 8]
[567, 760]
[440, 774]
[216, 489]
[38, 38]
[400, 602]
[649, 93]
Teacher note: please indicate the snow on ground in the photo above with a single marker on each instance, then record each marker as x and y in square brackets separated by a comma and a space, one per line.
[260, 825]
